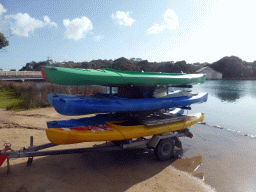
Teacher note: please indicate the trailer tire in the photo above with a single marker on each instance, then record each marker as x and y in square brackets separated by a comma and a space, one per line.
[165, 149]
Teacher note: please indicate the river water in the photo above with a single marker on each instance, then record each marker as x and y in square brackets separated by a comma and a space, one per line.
[231, 105]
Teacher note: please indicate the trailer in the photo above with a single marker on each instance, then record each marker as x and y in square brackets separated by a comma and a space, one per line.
[162, 145]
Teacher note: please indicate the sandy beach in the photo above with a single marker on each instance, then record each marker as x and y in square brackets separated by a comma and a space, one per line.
[225, 167]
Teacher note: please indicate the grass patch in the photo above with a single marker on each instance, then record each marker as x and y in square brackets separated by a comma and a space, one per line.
[22, 96]
[8, 99]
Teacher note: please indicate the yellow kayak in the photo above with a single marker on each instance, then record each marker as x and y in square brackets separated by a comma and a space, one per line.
[117, 130]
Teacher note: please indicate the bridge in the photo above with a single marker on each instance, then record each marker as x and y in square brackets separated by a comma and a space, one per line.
[21, 76]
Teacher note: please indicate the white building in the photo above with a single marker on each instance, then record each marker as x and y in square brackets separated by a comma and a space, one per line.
[210, 73]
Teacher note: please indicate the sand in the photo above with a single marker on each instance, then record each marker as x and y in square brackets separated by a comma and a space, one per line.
[105, 171]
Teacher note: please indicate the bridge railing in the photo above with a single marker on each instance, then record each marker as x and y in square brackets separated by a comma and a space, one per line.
[21, 73]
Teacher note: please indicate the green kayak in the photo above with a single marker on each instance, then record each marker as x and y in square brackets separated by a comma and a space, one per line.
[72, 76]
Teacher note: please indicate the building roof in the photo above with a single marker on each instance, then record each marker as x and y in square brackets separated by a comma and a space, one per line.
[203, 68]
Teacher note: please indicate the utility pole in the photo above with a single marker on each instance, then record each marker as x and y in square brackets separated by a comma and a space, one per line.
[49, 61]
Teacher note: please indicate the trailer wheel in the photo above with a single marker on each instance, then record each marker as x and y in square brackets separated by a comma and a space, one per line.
[165, 149]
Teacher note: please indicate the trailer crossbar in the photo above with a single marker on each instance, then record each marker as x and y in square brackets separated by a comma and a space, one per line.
[25, 153]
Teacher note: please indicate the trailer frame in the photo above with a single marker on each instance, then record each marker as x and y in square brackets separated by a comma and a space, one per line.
[171, 139]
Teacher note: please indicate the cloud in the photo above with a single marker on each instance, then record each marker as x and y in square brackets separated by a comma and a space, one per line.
[171, 19]
[2, 9]
[22, 24]
[3, 24]
[170, 22]
[48, 21]
[77, 28]
[123, 18]
[97, 38]
[156, 29]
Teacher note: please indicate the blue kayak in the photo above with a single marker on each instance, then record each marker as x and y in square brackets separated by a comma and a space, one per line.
[96, 120]
[105, 103]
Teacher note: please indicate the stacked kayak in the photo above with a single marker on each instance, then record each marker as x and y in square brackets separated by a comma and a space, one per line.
[105, 103]
[71, 76]
[131, 113]
[117, 130]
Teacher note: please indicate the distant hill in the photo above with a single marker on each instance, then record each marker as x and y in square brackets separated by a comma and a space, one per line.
[235, 68]
[231, 67]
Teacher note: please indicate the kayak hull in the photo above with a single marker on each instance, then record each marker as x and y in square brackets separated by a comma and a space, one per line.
[72, 76]
[113, 131]
[102, 103]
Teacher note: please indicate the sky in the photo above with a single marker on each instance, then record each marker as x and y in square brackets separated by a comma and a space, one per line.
[173, 30]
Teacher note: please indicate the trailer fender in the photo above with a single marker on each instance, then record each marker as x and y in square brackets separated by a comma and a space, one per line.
[154, 141]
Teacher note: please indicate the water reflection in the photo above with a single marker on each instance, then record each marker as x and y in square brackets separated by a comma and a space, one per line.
[230, 97]
[190, 165]
[227, 90]
[231, 104]
[252, 88]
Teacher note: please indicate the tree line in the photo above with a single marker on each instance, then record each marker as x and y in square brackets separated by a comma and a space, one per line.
[231, 67]
[132, 64]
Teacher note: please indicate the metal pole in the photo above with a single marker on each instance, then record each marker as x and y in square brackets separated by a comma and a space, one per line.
[61, 152]
[110, 90]
[31, 141]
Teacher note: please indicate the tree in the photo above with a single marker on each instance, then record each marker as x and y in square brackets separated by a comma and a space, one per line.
[3, 41]
[232, 67]
[29, 66]
[124, 64]
[143, 65]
